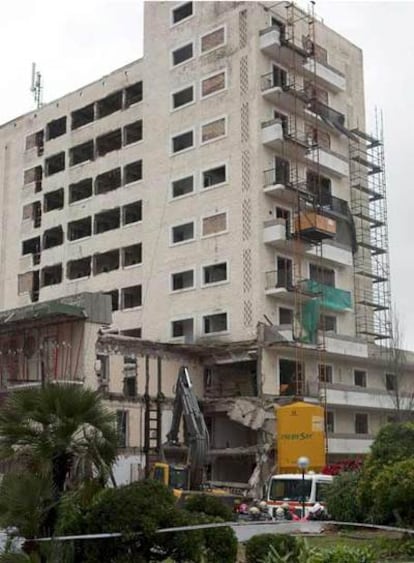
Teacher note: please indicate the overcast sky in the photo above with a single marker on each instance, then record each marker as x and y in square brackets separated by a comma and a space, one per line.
[78, 41]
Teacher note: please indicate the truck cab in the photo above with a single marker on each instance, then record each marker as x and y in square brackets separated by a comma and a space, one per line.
[173, 476]
[289, 488]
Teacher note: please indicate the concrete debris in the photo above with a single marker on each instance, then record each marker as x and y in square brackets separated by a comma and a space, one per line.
[246, 413]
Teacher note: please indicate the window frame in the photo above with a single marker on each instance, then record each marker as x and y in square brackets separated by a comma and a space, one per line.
[186, 19]
[122, 297]
[224, 26]
[211, 75]
[177, 48]
[179, 319]
[187, 149]
[193, 101]
[189, 288]
[389, 376]
[188, 194]
[203, 284]
[355, 423]
[212, 167]
[220, 212]
[332, 412]
[291, 309]
[185, 222]
[354, 370]
[216, 313]
[323, 364]
[208, 122]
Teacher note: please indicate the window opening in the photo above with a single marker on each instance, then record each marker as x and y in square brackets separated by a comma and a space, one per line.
[122, 428]
[132, 255]
[55, 164]
[182, 280]
[53, 200]
[52, 275]
[214, 176]
[285, 316]
[361, 423]
[132, 213]
[183, 186]
[56, 128]
[182, 54]
[183, 97]
[108, 181]
[133, 172]
[284, 275]
[325, 276]
[114, 295]
[131, 296]
[109, 104]
[105, 262]
[182, 141]
[80, 229]
[183, 328]
[182, 12]
[109, 142]
[291, 377]
[133, 94]
[184, 232]
[53, 237]
[133, 132]
[80, 268]
[107, 220]
[215, 323]
[83, 116]
[215, 273]
[327, 323]
[80, 190]
[360, 378]
[325, 373]
[330, 422]
[391, 382]
[81, 153]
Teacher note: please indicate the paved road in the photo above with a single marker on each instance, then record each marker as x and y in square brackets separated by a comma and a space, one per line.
[246, 530]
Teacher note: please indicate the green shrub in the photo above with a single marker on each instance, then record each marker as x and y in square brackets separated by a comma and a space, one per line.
[220, 545]
[341, 498]
[210, 505]
[345, 554]
[393, 494]
[258, 547]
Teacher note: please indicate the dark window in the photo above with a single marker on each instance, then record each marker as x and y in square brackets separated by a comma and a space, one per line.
[182, 12]
[180, 233]
[183, 97]
[34, 175]
[327, 323]
[114, 295]
[106, 262]
[53, 237]
[133, 94]
[133, 132]
[109, 104]
[282, 171]
[108, 181]
[131, 296]
[215, 273]
[215, 323]
[320, 187]
[279, 76]
[56, 128]
[80, 229]
[130, 386]
[52, 275]
[391, 382]
[182, 280]
[360, 378]
[109, 142]
[182, 141]
[83, 116]
[132, 255]
[80, 190]
[133, 332]
[330, 422]
[285, 316]
[291, 377]
[55, 164]
[35, 140]
[122, 428]
[31, 246]
[182, 54]
[325, 373]
[37, 214]
[183, 186]
[107, 220]
[214, 176]
[361, 423]
[183, 327]
[325, 276]
[132, 213]
[284, 274]
[53, 200]
[133, 172]
[79, 268]
[81, 153]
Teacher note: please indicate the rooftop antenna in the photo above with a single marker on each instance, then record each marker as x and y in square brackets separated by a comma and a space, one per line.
[36, 86]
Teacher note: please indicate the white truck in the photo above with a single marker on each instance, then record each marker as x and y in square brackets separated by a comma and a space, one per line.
[289, 488]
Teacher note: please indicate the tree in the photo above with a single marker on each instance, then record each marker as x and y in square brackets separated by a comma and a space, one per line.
[341, 497]
[60, 430]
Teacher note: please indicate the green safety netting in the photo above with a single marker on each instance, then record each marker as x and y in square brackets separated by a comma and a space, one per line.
[325, 296]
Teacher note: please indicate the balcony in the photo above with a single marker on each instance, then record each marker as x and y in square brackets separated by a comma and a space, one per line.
[349, 443]
[272, 133]
[329, 161]
[326, 75]
[363, 398]
[330, 297]
[275, 233]
[269, 41]
[332, 253]
[278, 90]
[279, 283]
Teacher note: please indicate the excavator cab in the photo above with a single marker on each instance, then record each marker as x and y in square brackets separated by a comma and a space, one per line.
[173, 476]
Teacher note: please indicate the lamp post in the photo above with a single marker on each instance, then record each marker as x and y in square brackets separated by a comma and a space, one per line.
[303, 464]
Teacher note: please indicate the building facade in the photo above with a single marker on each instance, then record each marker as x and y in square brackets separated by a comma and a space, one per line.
[224, 192]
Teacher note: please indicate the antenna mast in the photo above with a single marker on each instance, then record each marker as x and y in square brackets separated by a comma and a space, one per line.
[37, 86]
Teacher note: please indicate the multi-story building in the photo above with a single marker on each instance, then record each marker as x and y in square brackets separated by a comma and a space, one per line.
[224, 192]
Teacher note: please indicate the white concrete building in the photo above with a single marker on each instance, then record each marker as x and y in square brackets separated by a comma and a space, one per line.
[223, 191]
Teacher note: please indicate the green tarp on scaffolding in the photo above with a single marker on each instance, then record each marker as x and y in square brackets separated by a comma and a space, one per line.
[325, 296]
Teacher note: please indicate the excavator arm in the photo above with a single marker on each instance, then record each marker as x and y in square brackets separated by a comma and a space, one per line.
[196, 433]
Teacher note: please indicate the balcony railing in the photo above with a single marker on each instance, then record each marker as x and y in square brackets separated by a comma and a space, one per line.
[279, 279]
[331, 297]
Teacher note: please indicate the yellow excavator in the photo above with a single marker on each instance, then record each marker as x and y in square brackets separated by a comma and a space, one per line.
[188, 478]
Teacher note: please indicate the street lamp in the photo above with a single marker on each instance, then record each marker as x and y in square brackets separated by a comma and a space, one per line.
[303, 464]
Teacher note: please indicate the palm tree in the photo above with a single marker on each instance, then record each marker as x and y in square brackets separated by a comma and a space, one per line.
[59, 430]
